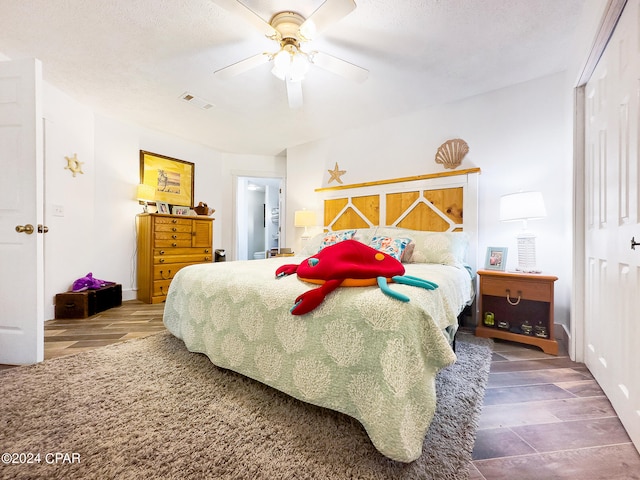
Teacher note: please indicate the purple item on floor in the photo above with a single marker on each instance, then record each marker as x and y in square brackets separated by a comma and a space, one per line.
[89, 283]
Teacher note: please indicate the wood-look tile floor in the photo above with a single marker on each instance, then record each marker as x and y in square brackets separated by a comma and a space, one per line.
[133, 319]
[544, 416]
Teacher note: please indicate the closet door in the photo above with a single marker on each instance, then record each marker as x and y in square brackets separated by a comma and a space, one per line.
[612, 270]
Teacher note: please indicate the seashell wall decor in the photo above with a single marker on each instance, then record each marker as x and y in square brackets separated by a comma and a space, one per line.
[451, 152]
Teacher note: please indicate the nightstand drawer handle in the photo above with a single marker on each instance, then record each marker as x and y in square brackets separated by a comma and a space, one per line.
[511, 302]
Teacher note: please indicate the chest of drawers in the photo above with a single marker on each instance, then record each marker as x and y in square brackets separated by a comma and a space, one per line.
[167, 243]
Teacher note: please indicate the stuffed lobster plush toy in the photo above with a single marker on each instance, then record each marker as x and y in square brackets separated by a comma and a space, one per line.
[348, 264]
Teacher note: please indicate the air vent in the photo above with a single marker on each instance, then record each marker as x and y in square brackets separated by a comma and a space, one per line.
[201, 103]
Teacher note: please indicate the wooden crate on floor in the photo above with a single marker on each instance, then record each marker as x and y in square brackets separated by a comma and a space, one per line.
[87, 303]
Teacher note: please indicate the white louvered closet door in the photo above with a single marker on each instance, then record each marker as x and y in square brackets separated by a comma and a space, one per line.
[612, 271]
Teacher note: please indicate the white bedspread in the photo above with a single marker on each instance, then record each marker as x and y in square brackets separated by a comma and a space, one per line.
[360, 352]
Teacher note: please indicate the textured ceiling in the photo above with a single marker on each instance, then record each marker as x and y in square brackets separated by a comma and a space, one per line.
[133, 60]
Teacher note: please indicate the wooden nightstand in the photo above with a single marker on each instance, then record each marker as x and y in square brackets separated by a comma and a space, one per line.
[522, 308]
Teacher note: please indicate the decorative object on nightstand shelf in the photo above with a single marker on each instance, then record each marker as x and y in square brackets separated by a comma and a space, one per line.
[489, 319]
[145, 194]
[524, 206]
[540, 331]
[304, 218]
[503, 324]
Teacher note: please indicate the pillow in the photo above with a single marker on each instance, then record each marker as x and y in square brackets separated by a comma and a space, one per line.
[446, 248]
[408, 252]
[332, 238]
[394, 247]
[324, 239]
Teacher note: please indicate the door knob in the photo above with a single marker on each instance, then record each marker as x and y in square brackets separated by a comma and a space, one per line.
[42, 228]
[28, 229]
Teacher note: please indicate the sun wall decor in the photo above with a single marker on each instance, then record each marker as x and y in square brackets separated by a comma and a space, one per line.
[74, 165]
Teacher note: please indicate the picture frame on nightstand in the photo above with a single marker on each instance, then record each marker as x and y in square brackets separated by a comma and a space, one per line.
[496, 259]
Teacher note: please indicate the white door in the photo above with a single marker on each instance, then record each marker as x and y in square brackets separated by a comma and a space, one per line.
[21, 187]
[612, 270]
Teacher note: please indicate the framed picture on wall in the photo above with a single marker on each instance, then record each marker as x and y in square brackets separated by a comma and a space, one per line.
[177, 210]
[163, 207]
[496, 259]
[172, 179]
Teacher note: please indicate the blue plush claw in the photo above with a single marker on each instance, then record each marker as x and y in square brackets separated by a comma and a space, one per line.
[294, 307]
[415, 282]
[382, 283]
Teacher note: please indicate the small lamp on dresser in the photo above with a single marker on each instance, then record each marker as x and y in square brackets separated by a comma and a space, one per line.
[524, 206]
[145, 194]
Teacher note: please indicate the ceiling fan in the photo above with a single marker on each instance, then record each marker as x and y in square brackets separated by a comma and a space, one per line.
[290, 30]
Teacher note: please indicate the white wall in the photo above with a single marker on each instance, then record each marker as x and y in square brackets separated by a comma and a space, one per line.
[518, 136]
[97, 232]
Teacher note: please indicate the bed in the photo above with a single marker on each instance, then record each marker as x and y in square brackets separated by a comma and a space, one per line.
[359, 352]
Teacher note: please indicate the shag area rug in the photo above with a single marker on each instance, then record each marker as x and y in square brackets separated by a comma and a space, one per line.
[150, 409]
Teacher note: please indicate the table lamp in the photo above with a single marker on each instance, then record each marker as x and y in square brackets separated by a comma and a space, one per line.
[524, 206]
[304, 218]
[145, 194]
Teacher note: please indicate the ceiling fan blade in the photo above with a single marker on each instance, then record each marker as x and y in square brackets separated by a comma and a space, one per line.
[294, 94]
[340, 67]
[242, 66]
[326, 14]
[239, 8]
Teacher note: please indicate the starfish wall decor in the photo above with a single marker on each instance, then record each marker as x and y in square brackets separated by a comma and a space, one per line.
[336, 173]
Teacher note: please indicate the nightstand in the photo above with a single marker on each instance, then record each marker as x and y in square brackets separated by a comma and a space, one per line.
[517, 307]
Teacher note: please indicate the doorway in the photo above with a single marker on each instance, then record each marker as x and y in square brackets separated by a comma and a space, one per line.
[258, 207]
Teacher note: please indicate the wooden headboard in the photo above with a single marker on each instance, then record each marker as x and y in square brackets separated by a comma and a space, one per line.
[440, 202]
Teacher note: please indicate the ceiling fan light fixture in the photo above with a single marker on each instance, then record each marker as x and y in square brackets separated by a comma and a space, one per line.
[290, 64]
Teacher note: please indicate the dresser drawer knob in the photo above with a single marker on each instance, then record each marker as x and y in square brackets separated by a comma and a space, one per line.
[174, 221]
[513, 302]
[168, 275]
[174, 244]
[162, 260]
[161, 252]
[206, 250]
[174, 229]
[206, 259]
[174, 236]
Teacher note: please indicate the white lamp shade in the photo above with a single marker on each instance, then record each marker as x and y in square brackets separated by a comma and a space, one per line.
[304, 218]
[145, 192]
[522, 206]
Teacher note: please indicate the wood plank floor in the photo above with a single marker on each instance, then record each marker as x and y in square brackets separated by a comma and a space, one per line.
[544, 416]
